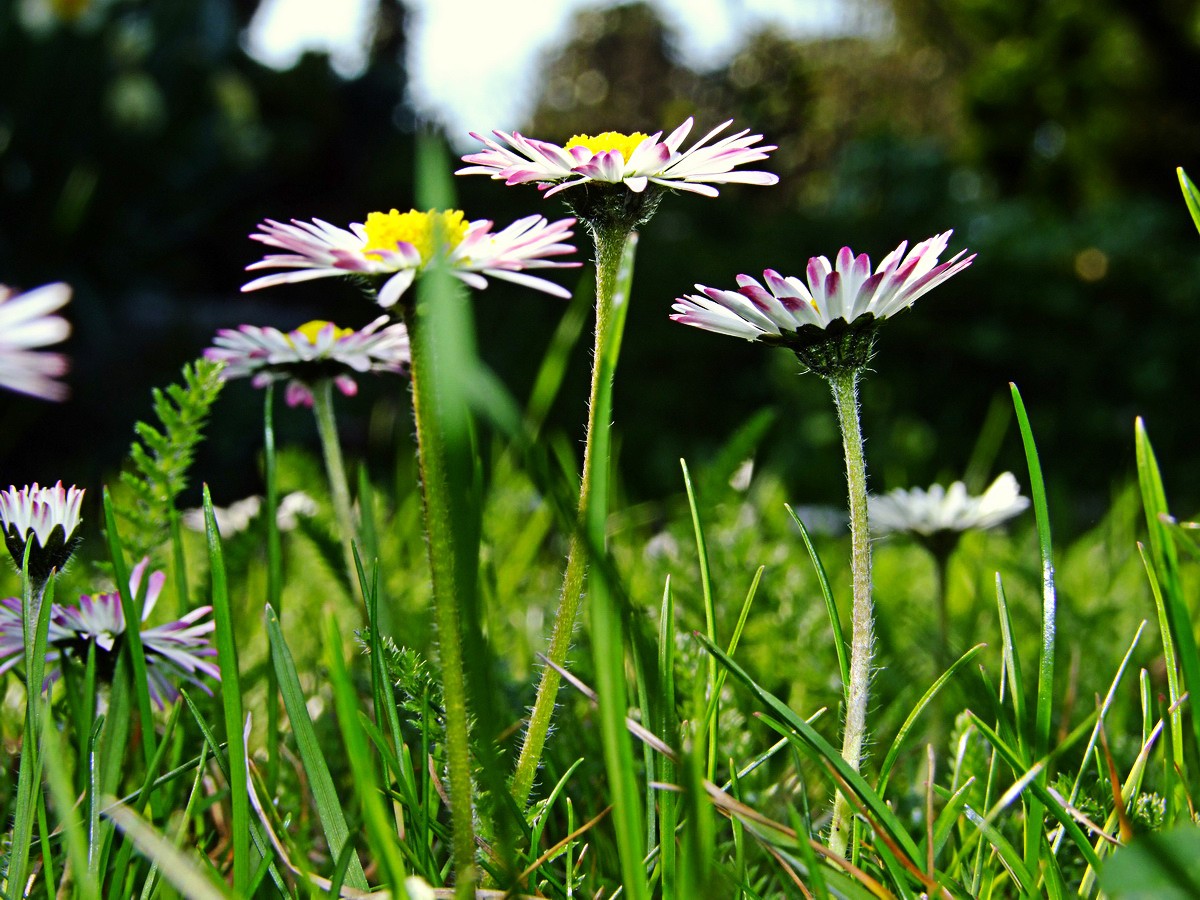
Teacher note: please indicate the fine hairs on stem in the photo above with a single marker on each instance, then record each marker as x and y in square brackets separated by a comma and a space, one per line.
[845, 398]
[611, 247]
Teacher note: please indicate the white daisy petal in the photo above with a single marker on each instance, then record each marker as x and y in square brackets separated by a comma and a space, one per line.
[26, 326]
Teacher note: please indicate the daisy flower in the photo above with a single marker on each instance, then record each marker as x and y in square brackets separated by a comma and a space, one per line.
[928, 513]
[25, 326]
[316, 350]
[237, 516]
[830, 319]
[634, 160]
[49, 517]
[395, 247]
[175, 651]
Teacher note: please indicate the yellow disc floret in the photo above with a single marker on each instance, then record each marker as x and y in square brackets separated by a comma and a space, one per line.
[310, 330]
[385, 230]
[624, 144]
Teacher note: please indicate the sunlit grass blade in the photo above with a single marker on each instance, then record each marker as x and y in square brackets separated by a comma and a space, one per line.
[59, 779]
[231, 701]
[1190, 195]
[710, 627]
[131, 608]
[367, 788]
[1105, 705]
[815, 746]
[1034, 779]
[1014, 675]
[325, 796]
[889, 760]
[441, 333]
[176, 866]
[35, 610]
[1166, 565]
[667, 729]
[608, 627]
[1046, 657]
[712, 710]
[835, 621]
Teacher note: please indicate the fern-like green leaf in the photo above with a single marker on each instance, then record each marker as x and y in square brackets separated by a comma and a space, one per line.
[156, 471]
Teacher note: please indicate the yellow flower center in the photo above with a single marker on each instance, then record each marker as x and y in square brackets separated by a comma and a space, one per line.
[421, 229]
[624, 144]
[310, 330]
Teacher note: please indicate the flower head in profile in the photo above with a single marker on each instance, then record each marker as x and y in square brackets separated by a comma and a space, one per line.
[941, 513]
[637, 164]
[26, 325]
[315, 351]
[177, 651]
[46, 519]
[391, 249]
[829, 320]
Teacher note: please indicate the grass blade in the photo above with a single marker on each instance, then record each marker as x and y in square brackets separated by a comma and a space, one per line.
[231, 702]
[1166, 564]
[1190, 195]
[325, 795]
[710, 628]
[1045, 684]
[835, 621]
[366, 779]
[885, 770]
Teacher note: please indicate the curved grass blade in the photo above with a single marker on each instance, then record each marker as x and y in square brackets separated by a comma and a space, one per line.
[835, 621]
[1190, 195]
[1045, 684]
[131, 608]
[231, 700]
[366, 780]
[710, 626]
[1034, 778]
[1166, 564]
[821, 750]
[885, 769]
[312, 756]
[175, 866]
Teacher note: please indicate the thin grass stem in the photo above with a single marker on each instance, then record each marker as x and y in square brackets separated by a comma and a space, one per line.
[335, 469]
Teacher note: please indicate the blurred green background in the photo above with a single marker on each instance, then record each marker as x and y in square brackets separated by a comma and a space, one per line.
[140, 144]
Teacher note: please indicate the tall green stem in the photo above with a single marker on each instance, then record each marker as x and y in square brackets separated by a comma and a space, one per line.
[862, 639]
[335, 468]
[610, 248]
[447, 590]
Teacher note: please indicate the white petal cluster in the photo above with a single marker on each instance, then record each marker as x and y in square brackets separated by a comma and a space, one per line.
[652, 161]
[26, 325]
[39, 510]
[845, 291]
[318, 249]
[952, 509]
[313, 351]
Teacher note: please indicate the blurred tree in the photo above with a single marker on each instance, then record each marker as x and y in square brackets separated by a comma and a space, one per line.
[1082, 98]
[139, 145]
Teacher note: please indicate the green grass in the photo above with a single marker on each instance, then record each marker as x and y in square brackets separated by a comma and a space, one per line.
[1058, 737]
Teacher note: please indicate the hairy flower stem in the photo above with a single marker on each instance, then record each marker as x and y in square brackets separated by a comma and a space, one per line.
[862, 639]
[335, 468]
[610, 247]
[439, 530]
